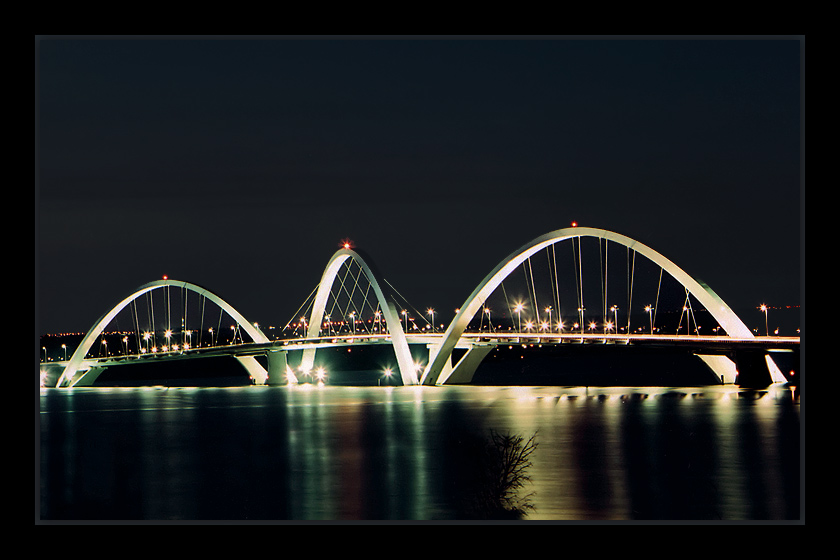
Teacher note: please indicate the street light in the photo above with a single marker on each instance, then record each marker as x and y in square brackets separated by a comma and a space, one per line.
[649, 310]
[766, 329]
[405, 314]
[548, 310]
[614, 309]
[518, 310]
[353, 319]
[64, 346]
[431, 312]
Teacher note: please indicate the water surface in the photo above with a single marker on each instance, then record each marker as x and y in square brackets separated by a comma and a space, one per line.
[403, 453]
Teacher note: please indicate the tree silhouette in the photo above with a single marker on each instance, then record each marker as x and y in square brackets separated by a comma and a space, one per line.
[504, 473]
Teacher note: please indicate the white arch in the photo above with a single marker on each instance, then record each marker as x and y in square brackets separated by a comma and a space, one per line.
[398, 340]
[704, 294]
[75, 362]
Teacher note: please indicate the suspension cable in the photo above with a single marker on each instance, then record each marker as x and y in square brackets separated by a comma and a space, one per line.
[631, 271]
[408, 303]
[528, 288]
[533, 287]
[603, 283]
[510, 310]
[656, 305]
[556, 285]
[201, 324]
[136, 323]
[305, 302]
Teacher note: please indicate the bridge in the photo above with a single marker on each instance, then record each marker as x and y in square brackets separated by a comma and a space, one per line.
[603, 288]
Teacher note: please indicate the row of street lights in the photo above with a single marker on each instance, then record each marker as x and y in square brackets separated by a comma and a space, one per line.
[608, 325]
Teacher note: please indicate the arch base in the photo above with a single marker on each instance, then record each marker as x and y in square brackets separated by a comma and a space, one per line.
[464, 371]
[254, 369]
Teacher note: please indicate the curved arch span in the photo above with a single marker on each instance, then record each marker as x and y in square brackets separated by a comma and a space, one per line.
[398, 340]
[727, 319]
[70, 378]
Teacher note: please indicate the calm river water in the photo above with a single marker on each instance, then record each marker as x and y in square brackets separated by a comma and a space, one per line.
[398, 453]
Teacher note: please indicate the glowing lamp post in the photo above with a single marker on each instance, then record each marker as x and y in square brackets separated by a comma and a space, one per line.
[431, 312]
[766, 328]
[518, 310]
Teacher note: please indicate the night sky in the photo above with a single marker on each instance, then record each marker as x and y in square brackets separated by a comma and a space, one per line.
[240, 165]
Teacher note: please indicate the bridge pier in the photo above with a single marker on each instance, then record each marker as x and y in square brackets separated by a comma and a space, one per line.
[277, 367]
[754, 369]
[254, 369]
[89, 377]
[724, 368]
[464, 370]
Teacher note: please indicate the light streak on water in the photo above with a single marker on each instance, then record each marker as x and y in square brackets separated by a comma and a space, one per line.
[341, 453]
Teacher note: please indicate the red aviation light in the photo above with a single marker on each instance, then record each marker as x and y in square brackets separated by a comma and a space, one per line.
[574, 224]
[346, 244]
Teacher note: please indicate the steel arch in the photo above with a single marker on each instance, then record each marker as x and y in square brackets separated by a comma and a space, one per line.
[727, 319]
[71, 369]
[398, 340]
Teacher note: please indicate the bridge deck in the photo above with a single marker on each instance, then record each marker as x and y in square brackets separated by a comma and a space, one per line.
[702, 343]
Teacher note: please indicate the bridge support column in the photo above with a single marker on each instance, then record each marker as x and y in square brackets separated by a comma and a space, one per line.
[255, 370]
[447, 367]
[464, 370]
[724, 368]
[88, 378]
[277, 367]
[756, 369]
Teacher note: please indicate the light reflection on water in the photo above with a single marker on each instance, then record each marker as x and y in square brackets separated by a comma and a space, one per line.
[348, 453]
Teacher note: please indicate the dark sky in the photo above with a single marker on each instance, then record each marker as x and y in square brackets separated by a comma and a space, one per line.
[239, 165]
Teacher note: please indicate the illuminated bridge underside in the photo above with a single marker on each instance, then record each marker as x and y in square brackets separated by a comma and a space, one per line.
[440, 369]
[392, 321]
[73, 372]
